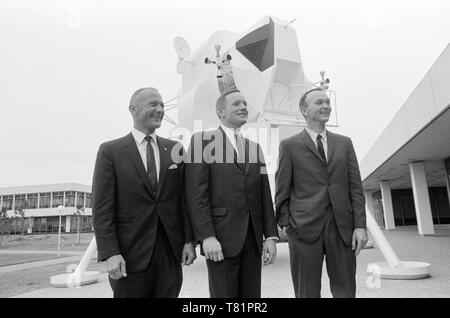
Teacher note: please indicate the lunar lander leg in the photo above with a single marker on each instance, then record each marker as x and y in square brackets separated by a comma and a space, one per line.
[392, 268]
[80, 276]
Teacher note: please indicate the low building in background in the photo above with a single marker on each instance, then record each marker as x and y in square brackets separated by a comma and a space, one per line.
[40, 206]
[406, 173]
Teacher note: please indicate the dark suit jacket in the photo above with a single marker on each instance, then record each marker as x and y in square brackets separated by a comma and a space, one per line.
[125, 211]
[223, 195]
[305, 185]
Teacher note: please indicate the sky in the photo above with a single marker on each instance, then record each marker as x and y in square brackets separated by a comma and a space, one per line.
[68, 68]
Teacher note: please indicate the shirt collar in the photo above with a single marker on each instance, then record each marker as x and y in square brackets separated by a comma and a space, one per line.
[230, 132]
[313, 134]
[139, 136]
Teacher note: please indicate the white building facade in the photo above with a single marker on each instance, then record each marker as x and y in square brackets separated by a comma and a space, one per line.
[40, 205]
[406, 173]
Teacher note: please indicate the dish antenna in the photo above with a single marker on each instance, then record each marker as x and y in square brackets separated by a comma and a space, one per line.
[182, 47]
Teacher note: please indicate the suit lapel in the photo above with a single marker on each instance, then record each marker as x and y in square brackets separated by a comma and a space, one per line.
[165, 160]
[135, 157]
[331, 142]
[310, 144]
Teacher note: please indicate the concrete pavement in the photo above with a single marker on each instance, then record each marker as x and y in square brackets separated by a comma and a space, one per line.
[276, 279]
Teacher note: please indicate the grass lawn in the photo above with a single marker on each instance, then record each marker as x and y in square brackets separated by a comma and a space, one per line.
[19, 282]
[47, 242]
[13, 259]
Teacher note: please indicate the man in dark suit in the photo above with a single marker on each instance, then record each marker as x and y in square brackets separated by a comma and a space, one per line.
[230, 204]
[320, 203]
[141, 225]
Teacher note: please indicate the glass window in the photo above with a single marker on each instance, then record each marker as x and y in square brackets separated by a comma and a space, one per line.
[32, 199]
[80, 199]
[44, 200]
[58, 199]
[7, 202]
[70, 199]
[88, 200]
[20, 202]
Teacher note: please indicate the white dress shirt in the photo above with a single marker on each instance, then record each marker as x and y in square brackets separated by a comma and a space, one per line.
[141, 144]
[230, 133]
[313, 136]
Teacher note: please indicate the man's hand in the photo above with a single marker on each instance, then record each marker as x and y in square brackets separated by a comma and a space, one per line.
[115, 266]
[359, 240]
[269, 252]
[212, 249]
[188, 256]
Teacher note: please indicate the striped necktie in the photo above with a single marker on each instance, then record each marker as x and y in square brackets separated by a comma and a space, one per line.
[240, 147]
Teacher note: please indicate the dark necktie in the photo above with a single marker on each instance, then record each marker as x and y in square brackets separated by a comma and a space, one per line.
[320, 148]
[151, 164]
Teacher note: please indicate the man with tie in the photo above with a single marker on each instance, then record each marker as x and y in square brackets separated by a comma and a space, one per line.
[320, 202]
[141, 224]
[230, 204]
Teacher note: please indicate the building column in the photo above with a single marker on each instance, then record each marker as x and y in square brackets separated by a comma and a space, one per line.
[1, 201]
[421, 198]
[68, 219]
[388, 208]
[369, 203]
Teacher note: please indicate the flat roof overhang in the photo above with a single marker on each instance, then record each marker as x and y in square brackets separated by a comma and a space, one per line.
[430, 145]
[420, 131]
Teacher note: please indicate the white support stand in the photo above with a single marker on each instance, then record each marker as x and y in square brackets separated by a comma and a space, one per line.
[80, 276]
[393, 268]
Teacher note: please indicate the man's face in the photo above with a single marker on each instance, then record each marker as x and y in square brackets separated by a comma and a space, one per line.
[318, 107]
[234, 112]
[148, 110]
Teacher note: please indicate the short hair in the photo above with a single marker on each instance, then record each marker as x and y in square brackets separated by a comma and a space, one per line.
[140, 90]
[302, 102]
[221, 100]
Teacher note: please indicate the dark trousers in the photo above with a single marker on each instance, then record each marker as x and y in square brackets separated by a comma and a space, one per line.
[307, 259]
[240, 276]
[162, 278]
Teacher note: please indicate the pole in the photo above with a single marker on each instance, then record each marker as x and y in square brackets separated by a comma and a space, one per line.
[60, 208]
[78, 229]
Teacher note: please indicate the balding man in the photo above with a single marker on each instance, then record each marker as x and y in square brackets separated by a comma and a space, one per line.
[320, 203]
[141, 225]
